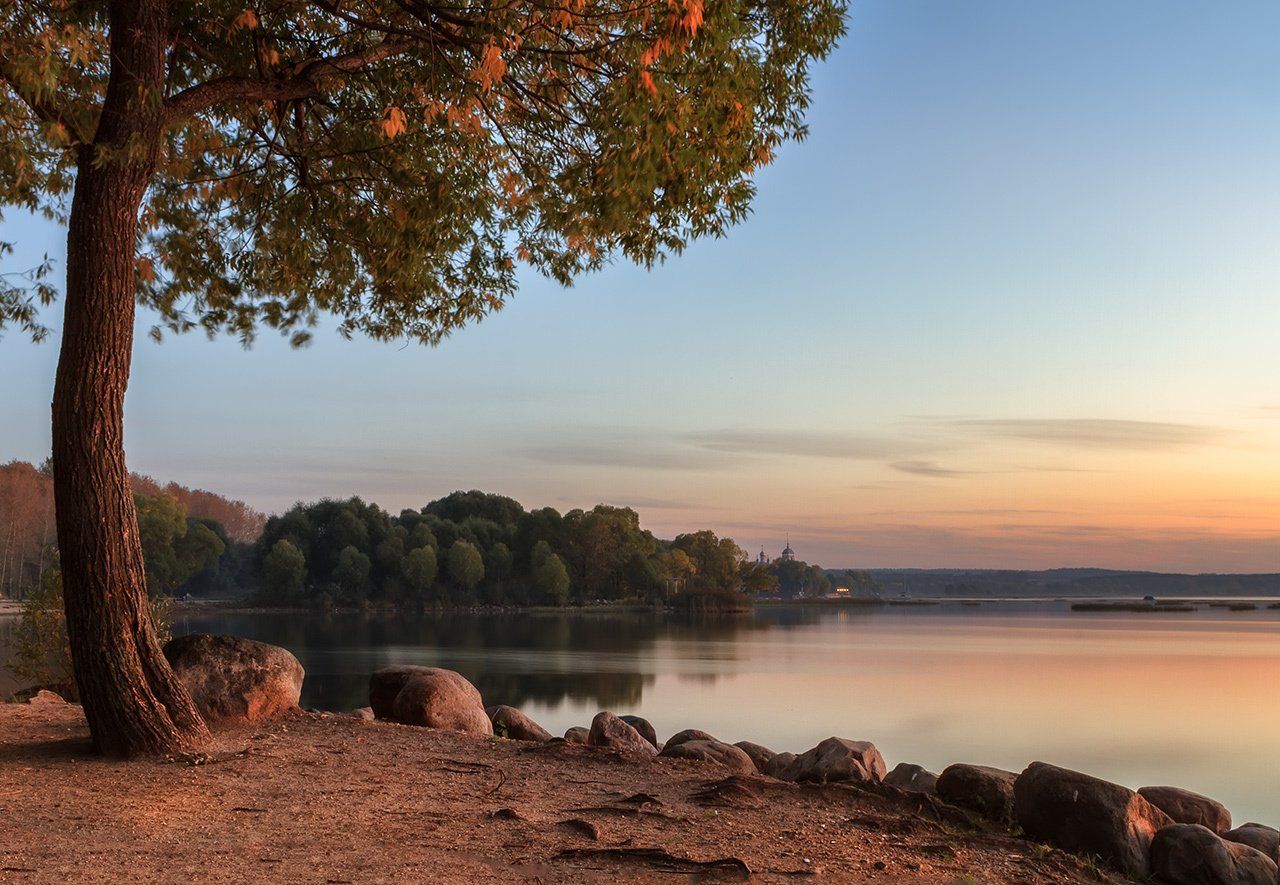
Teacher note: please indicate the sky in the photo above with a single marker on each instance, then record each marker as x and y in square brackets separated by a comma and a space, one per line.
[1013, 304]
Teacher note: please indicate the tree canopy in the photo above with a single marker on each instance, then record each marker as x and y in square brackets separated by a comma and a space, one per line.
[391, 162]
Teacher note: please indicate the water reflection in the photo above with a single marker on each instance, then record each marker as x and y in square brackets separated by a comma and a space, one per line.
[1178, 698]
[598, 660]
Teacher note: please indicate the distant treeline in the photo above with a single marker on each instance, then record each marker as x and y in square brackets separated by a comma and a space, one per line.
[192, 540]
[480, 548]
[1070, 582]
[466, 548]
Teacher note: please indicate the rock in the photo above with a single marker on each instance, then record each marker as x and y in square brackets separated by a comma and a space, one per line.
[712, 751]
[1186, 807]
[689, 734]
[508, 722]
[1084, 814]
[1192, 854]
[236, 681]
[912, 778]
[837, 760]
[386, 683]
[644, 727]
[430, 697]
[778, 765]
[759, 755]
[1260, 836]
[577, 735]
[365, 713]
[46, 698]
[988, 791]
[607, 730]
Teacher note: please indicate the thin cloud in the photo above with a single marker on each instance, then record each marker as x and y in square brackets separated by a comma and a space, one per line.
[1097, 433]
[622, 454]
[805, 444]
[929, 468]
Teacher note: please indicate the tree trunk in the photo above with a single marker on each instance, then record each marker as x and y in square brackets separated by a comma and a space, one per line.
[132, 700]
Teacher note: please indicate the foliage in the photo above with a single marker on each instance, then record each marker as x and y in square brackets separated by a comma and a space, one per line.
[473, 548]
[466, 566]
[463, 138]
[186, 545]
[42, 652]
[283, 571]
[551, 579]
[174, 548]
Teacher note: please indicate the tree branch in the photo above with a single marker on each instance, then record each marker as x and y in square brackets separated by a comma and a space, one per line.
[44, 111]
[305, 81]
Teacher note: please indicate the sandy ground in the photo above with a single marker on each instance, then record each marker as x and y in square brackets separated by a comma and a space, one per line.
[322, 798]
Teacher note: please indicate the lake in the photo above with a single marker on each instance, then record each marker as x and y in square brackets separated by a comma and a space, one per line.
[1188, 699]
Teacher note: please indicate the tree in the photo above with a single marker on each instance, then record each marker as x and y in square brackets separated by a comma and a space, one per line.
[352, 575]
[174, 548]
[420, 572]
[466, 566]
[718, 560]
[551, 579]
[284, 571]
[233, 166]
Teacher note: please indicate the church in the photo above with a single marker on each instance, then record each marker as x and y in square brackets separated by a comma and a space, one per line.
[788, 555]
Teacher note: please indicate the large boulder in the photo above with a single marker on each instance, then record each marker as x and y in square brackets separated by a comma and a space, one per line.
[712, 751]
[1191, 854]
[689, 734]
[912, 778]
[760, 755]
[608, 730]
[778, 765]
[1260, 836]
[386, 683]
[428, 696]
[1186, 807]
[986, 790]
[644, 727]
[1087, 815]
[508, 722]
[837, 760]
[236, 681]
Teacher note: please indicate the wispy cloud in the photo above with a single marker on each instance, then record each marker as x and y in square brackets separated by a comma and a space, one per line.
[1096, 433]
[623, 453]
[806, 444]
[929, 468]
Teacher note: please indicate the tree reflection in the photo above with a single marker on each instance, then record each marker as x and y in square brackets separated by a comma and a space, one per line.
[600, 659]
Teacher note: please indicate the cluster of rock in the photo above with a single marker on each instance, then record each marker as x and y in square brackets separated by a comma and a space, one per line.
[1166, 833]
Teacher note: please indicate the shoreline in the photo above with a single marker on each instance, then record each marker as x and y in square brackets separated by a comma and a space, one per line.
[330, 797]
[1082, 604]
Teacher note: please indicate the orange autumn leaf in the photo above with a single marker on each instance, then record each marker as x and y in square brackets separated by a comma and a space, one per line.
[393, 123]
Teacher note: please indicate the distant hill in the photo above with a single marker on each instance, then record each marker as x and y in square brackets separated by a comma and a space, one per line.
[1091, 582]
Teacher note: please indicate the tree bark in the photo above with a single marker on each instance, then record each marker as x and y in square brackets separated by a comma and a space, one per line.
[132, 700]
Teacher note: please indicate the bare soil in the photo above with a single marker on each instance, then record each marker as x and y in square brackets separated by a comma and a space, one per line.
[324, 798]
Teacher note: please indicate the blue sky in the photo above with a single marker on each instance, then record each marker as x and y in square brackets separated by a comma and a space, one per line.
[1012, 304]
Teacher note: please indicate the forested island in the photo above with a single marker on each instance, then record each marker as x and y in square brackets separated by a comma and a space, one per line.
[465, 549]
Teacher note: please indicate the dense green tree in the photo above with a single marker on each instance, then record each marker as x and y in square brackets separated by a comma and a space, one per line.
[352, 575]
[284, 571]
[718, 560]
[551, 579]
[420, 568]
[597, 544]
[459, 506]
[174, 549]
[466, 565]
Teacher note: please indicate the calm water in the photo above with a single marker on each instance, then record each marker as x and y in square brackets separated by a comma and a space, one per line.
[1188, 699]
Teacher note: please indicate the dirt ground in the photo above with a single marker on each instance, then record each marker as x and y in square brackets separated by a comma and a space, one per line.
[322, 798]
